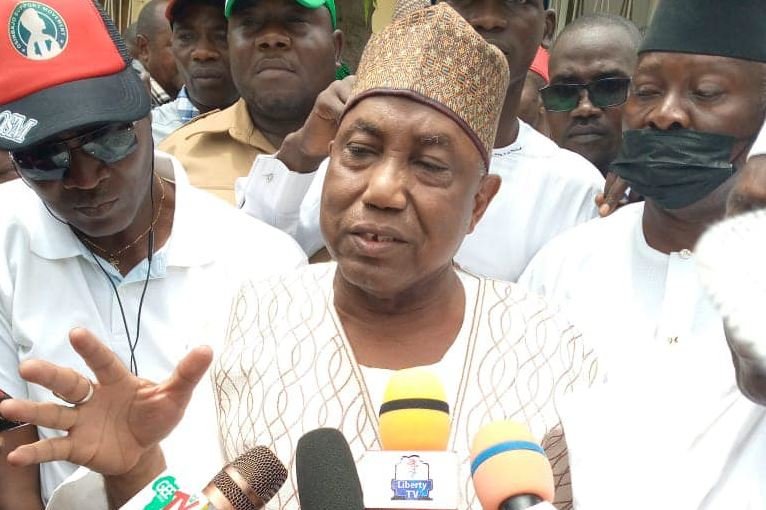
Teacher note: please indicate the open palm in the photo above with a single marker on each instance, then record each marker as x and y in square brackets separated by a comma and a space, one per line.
[125, 418]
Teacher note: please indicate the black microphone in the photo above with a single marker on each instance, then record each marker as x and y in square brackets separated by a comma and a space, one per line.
[326, 472]
[521, 502]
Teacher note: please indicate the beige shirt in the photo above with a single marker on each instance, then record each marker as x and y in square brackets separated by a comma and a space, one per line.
[217, 148]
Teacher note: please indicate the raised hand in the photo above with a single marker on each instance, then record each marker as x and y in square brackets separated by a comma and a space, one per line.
[303, 150]
[125, 418]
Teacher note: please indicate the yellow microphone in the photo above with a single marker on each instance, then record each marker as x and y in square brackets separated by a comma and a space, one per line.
[413, 470]
[415, 413]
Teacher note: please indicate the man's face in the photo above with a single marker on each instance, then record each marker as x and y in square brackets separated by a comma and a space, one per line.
[202, 54]
[156, 54]
[586, 55]
[96, 198]
[699, 92]
[531, 106]
[517, 27]
[282, 56]
[405, 184]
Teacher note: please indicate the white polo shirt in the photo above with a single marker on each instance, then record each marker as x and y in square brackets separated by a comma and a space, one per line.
[50, 284]
[545, 190]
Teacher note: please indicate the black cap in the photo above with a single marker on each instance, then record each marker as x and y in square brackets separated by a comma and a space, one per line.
[724, 28]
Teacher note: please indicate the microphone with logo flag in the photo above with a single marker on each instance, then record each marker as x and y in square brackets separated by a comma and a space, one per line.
[326, 473]
[509, 469]
[248, 483]
[413, 470]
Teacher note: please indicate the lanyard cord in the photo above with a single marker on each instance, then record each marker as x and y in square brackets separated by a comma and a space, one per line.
[133, 344]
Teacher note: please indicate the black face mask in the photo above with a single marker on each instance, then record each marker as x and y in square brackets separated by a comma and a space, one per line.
[674, 168]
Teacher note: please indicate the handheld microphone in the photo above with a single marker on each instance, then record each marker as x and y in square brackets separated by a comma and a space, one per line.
[248, 483]
[509, 468]
[413, 470]
[326, 473]
[415, 413]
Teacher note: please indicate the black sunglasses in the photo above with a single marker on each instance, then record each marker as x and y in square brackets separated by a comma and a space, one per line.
[603, 93]
[50, 162]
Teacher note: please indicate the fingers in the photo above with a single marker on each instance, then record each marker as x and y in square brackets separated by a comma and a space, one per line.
[332, 101]
[189, 371]
[58, 448]
[344, 88]
[45, 414]
[67, 383]
[330, 106]
[105, 364]
[613, 196]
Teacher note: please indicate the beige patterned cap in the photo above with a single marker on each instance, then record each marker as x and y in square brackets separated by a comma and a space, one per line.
[435, 57]
[405, 7]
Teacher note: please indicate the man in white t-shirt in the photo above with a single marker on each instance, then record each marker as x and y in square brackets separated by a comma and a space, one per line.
[692, 439]
[545, 189]
[104, 233]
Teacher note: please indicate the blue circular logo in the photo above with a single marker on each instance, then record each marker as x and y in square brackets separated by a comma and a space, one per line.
[37, 31]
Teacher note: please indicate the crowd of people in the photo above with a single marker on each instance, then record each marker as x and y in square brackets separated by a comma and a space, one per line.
[211, 241]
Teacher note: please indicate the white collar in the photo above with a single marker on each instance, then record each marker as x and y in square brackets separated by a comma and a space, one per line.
[186, 247]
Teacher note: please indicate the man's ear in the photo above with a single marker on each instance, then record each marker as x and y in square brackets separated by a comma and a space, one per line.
[142, 43]
[550, 28]
[339, 40]
[488, 187]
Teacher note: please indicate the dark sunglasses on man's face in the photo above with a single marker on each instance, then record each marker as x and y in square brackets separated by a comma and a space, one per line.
[603, 93]
[50, 162]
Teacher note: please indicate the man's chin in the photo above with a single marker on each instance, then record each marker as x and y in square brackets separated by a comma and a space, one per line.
[280, 105]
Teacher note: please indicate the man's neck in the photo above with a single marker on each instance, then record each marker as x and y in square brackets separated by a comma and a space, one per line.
[508, 128]
[130, 246]
[668, 232]
[275, 130]
[203, 108]
[423, 321]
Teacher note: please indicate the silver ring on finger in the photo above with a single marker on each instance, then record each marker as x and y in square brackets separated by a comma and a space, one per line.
[83, 400]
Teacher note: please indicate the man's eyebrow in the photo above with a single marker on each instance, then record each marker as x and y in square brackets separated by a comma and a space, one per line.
[367, 127]
[436, 139]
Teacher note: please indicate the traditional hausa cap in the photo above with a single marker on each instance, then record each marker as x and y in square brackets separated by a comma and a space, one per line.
[433, 56]
[405, 7]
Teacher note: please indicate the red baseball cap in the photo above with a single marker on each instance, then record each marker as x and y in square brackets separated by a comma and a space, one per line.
[540, 64]
[64, 67]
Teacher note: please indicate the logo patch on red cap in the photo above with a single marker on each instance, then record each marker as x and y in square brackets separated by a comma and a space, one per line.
[37, 31]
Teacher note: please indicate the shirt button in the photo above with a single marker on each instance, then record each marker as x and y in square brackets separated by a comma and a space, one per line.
[685, 254]
[269, 177]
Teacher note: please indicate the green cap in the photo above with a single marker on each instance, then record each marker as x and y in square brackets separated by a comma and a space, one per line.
[308, 4]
